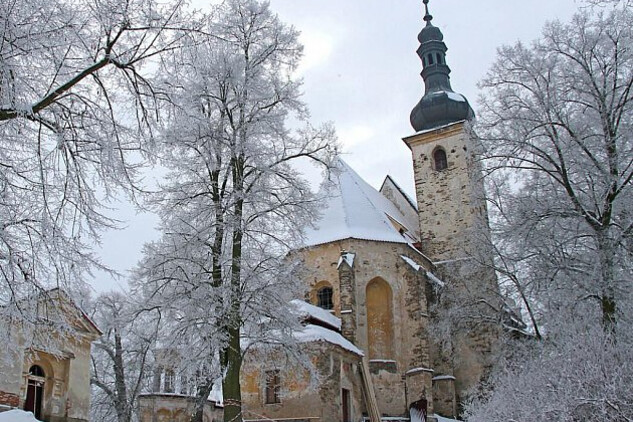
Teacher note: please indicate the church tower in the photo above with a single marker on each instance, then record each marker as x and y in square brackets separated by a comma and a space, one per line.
[452, 217]
[447, 178]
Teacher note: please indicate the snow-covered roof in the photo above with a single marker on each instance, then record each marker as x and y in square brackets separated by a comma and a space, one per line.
[17, 415]
[411, 262]
[435, 280]
[354, 209]
[308, 310]
[311, 333]
[348, 258]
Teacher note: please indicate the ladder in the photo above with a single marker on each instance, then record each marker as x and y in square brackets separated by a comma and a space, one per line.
[368, 389]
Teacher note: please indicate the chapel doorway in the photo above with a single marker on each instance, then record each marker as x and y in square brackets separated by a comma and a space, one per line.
[35, 391]
[347, 406]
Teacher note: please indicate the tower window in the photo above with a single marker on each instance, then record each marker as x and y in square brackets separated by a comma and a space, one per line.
[439, 58]
[273, 386]
[431, 58]
[324, 298]
[440, 160]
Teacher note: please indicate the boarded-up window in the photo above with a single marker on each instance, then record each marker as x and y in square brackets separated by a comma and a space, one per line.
[379, 319]
[273, 386]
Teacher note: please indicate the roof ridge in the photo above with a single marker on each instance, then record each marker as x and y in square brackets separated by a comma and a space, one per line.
[356, 181]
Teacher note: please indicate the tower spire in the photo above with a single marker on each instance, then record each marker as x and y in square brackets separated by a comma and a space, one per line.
[440, 105]
[427, 17]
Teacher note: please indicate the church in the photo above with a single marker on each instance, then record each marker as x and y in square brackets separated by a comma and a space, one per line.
[378, 260]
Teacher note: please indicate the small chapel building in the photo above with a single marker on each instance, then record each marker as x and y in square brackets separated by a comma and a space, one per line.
[377, 261]
[48, 374]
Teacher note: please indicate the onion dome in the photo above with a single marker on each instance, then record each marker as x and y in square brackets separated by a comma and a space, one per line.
[440, 105]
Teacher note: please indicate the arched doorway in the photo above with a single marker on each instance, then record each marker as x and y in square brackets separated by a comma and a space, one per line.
[379, 319]
[35, 391]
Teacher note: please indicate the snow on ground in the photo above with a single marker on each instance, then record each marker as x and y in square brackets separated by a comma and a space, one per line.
[416, 415]
[17, 415]
[443, 419]
[306, 309]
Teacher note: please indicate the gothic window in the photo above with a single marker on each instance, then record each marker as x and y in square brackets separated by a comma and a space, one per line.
[273, 385]
[439, 159]
[379, 319]
[324, 298]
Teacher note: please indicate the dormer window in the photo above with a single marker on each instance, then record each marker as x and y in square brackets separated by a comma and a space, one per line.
[440, 162]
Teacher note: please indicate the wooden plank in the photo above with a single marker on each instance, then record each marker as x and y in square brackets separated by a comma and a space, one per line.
[368, 389]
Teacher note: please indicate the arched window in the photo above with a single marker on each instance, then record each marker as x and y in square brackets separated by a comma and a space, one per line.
[37, 371]
[379, 319]
[325, 298]
[439, 159]
[439, 58]
[35, 391]
[431, 58]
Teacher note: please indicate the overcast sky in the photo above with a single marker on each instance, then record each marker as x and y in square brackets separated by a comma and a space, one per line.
[361, 72]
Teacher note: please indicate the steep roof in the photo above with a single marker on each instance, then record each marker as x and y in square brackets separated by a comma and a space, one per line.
[354, 209]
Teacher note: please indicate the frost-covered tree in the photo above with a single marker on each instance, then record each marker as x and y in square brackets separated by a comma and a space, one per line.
[74, 100]
[557, 123]
[122, 358]
[557, 126]
[233, 204]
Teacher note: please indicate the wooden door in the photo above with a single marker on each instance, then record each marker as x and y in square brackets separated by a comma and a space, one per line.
[33, 403]
[347, 411]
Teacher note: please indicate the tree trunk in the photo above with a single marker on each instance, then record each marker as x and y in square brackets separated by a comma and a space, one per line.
[231, 389]
[122, 407]
[231, 384]
[607, 293]
[201, 400]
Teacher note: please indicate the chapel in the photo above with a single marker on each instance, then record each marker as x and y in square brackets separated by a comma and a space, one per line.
[48, 372]
[378, 262]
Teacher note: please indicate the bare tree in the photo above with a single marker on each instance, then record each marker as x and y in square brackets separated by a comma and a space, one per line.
[121, 358]
[74, 105]
[233, 204]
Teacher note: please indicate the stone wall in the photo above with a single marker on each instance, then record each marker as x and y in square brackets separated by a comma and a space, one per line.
[450, 201]
[9, 399]
[409, 349]
[306, 393]
[158, 407]
[454, 230]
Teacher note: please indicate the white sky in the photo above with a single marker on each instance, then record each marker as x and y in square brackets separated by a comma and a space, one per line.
[361, 72]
